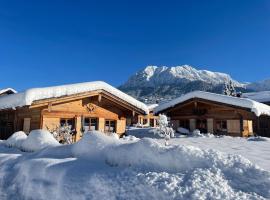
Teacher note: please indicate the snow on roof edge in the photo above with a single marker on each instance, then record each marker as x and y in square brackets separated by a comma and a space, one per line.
[255, 107]
[8, 89]
[27, 97]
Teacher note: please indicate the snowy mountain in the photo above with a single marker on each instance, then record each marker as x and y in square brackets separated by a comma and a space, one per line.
[260, 86]
[164, 83]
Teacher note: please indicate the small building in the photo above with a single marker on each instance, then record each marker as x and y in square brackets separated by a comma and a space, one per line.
[7, 91]
[262, 97]
[149, 120]
[84, 106]
[218, 114]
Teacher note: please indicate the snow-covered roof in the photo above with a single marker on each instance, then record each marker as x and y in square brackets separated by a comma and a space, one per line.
[29, 96]
[263, 96]
[255, 107]
[151, 107]
[7, 90]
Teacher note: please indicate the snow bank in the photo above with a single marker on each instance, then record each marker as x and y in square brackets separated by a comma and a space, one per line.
[255, 107]
[236, 172]
[39, 139]
[92, 144]
[16, 139]
[102, 167]
[31, 95]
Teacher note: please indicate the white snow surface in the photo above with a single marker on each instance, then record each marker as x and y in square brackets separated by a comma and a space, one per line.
[255, 107]
[34, 94]
[102, 167]
[16, 139]
[151, 107]
[37, 140]
[263, 96]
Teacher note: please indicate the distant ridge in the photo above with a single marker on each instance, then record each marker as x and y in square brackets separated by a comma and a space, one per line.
[163, 83]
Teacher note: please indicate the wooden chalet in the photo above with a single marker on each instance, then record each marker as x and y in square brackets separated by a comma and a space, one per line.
[218, 114]
[149, 120]
[7, 91]
[85, 106]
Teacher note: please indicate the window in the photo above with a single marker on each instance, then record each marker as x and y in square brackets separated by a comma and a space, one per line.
[68, 122]
[90, 124]
[201, 124]
[184, 123]
[110, 126]
[221, 126]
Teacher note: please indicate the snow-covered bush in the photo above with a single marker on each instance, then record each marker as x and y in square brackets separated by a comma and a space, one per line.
[196, 132]
[16, 139]
[39, 139]
[115, 135]
[63, 134]
[164, 130]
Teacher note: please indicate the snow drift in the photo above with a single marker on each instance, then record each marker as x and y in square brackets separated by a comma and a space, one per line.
[103, 167]
[39, 139]
[16, 139]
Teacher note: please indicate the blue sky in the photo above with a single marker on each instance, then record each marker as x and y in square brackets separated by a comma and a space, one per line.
[44, 43]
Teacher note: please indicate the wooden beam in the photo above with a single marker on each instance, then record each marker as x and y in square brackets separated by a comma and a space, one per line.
[99, 98]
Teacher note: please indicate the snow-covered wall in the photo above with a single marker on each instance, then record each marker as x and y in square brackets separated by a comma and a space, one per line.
[31, 95]
[255, 107]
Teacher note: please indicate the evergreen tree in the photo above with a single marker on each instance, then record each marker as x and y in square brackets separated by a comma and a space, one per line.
[229, 89]
[232, 89]
[226, 89]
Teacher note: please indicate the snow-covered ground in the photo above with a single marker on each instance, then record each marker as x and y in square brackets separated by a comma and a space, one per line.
[103, 167]
[256, 150]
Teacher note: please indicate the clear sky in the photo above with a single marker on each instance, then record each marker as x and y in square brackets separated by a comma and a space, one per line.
[44, 43]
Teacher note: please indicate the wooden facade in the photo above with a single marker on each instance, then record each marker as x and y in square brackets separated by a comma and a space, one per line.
[96, 110]
[218, 118]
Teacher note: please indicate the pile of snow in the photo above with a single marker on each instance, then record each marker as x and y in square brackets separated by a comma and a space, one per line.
[39, 139]
[213, 169]
[255, 107]
[183, 130]
[16, 139]
[34, 94]
[92, 143]
[102, 167]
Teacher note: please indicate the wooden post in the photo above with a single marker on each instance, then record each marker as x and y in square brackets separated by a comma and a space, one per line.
[50, 106]
[78, 126]
[99, 98]
[101, 124]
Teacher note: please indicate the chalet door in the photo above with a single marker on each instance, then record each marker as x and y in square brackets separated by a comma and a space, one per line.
[6, 125]
[201, 124]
